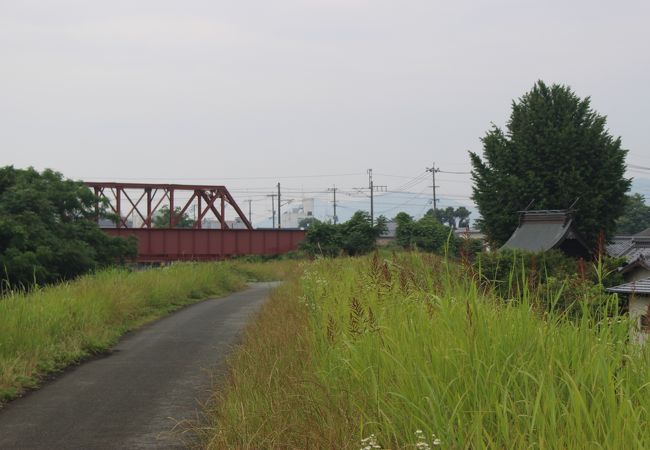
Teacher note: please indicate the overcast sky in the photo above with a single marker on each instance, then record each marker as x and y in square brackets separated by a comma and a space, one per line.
[212, 90]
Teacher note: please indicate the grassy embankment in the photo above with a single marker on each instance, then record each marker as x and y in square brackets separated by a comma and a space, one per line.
[48, 329]
[361, 347]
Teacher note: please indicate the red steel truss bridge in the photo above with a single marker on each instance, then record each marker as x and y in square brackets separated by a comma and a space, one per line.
[220, 229]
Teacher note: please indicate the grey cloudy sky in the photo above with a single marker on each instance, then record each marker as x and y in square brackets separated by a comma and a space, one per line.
[210, 90]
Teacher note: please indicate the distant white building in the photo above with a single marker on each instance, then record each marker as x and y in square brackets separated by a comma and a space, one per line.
[291, 217]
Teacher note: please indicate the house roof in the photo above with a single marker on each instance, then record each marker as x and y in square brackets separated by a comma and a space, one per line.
[635, 287]
[639, 262]
[542, 230]
[619, 245]
[630, 246]
[640, 247]
[645, 232]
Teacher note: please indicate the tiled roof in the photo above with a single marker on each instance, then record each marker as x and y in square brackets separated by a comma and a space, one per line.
[636, 287]
[619, 245]
[631, 247]
[639, 261]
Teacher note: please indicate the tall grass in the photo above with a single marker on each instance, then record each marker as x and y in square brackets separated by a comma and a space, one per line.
[361, 347]
[47, 329]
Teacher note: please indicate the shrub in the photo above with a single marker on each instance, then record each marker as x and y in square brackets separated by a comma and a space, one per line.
[512, 272]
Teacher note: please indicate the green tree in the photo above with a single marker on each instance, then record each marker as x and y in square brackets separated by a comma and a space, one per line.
[161, 218]
[432, 236]
[307, 222]
[555, 149]
[404, 230]
[455, 218]
[48, 230]
[636, 215]
[354, 237]
[322, 239]
[359, 236]
[426, 234]
[462, 214]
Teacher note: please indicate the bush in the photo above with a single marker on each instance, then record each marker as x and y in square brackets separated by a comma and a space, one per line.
[561, 280]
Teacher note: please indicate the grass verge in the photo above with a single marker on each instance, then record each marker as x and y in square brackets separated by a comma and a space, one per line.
[48, 329]
[414, 352]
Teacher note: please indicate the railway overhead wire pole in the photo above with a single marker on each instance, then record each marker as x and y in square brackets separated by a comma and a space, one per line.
[373, 188]
[333, 190]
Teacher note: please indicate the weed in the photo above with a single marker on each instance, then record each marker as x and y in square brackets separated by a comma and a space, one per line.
[451, 356]
[47, 329]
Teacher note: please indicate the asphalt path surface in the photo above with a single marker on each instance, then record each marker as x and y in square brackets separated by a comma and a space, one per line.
[137, 397]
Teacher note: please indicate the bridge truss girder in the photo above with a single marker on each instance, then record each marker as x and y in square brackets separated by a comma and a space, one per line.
[144, 200]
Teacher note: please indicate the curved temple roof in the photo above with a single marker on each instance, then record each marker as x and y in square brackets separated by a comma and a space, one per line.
[543, 230]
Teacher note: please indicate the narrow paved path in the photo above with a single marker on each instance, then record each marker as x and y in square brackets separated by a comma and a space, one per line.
[132, 399]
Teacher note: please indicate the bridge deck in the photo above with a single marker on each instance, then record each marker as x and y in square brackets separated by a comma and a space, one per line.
[187, 244]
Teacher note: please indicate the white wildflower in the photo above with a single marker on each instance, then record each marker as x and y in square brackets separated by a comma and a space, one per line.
[370, 443]
[422, 443]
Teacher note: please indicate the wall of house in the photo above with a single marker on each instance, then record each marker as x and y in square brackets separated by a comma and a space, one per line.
[638, 309]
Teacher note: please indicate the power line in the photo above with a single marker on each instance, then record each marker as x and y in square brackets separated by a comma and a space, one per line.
[270, 177]
[454, 173]
[404, 203]
[412, 183]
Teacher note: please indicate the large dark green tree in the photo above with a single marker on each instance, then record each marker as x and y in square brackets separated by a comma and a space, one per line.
[555, 150]
[48, 230]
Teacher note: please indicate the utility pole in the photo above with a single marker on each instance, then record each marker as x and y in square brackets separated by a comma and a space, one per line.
[433, 171]
[372, 198]
[373, 188]
[279, 206]
[249, 210]
[333, 190]
[272, 206]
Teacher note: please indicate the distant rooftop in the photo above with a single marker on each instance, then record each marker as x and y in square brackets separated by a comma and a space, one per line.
[630, 247]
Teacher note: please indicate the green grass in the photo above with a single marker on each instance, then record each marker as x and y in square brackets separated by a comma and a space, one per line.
[48, 329]
[365, 346]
